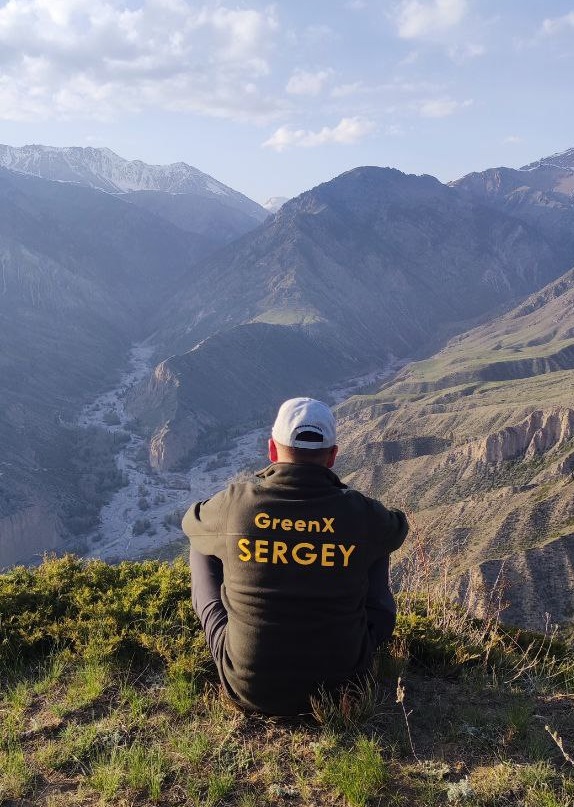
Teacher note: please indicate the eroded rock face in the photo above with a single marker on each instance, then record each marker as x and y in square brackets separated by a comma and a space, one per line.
[27, 534]
[536, 434]
[154, 401]
[172, 442]
[536, 586]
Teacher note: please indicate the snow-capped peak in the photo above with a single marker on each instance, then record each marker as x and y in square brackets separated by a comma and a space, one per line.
[104, 169]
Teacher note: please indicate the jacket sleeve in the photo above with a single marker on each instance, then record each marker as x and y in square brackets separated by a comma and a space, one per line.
[203, 525]
[380, 604]
[391, 525]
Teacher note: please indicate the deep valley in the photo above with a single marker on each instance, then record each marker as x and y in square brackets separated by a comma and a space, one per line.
[152, 320]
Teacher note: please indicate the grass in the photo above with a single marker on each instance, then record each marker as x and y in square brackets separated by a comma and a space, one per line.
[357, 772]
[15, 776]
[143, 721]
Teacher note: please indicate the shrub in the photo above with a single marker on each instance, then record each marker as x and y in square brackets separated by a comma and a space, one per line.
[142, 609]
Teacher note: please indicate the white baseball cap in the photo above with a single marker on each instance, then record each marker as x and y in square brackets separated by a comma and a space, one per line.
[304, 423]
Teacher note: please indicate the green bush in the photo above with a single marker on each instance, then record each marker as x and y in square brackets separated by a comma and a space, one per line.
[141, 609]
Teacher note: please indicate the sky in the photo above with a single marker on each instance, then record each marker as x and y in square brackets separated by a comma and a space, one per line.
[275, 98]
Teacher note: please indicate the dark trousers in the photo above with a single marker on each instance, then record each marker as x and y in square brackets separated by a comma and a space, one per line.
[207, 577]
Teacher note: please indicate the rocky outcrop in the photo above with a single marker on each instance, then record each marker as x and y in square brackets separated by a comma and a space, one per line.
[230, 382]
[536, 434]
[536, 586]
[174, 441]
[154, 401]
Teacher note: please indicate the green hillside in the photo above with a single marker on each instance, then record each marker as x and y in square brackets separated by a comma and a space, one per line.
[109, 697]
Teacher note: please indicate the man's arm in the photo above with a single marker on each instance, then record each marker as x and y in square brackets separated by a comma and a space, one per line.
[381, 607]
[203, 525]
[391, 525]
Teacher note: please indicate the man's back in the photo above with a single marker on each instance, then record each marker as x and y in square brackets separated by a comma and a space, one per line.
[296, 546]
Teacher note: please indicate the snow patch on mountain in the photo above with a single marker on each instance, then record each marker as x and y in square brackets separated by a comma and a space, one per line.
[105, 170]
[563, 159]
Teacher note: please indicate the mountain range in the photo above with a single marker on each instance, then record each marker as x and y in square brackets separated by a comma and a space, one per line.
[375, 265]
[471, 280]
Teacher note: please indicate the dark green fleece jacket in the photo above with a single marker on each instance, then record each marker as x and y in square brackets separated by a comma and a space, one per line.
[296, 546]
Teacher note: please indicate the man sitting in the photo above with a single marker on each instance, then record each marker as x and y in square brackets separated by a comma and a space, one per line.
[290, 571]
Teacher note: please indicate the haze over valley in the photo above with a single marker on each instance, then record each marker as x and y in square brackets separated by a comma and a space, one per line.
[152, 319]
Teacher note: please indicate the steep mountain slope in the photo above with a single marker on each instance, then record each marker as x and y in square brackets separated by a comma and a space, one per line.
[478, 442]
[215, 218]
[541, 194]
[178, 192]
[80, 272]
[372, 265]
[98, 237]
[380, 257]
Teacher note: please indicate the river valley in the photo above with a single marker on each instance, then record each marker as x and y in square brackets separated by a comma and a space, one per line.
[143, 517]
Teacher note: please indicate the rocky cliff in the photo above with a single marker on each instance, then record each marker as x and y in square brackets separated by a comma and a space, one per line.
[536, 586]
[534, 436]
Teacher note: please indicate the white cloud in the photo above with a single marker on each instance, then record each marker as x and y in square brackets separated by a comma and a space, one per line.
[512, 140]
[303, 83]
[347, 131]
[463, 53]
[344, 90]
[555, 25]
[417, 20]
[441, 107]
[93, 58]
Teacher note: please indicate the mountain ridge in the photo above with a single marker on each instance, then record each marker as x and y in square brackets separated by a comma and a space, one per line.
[104, 169]
[177, 192]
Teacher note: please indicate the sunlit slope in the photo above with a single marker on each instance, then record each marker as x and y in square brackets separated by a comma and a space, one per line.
[478, 442]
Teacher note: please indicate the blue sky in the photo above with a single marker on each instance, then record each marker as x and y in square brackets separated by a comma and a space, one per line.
[274, 98]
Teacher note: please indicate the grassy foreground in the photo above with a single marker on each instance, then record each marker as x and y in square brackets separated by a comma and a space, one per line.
[108, 696]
